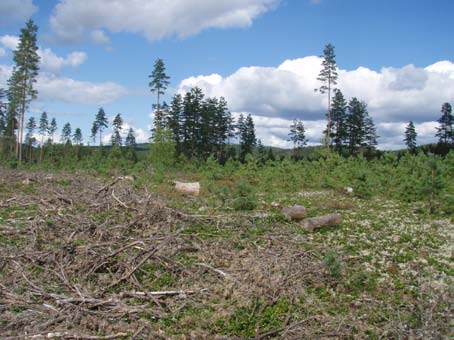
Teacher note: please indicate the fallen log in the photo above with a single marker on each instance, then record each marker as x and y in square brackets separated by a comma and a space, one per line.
[295, 212]
[331, 220]
[188, 188]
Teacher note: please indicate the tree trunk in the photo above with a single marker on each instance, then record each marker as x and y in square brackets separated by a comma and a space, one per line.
[331, 220]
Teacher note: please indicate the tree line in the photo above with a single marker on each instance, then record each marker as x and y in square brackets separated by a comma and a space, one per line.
[191, 126]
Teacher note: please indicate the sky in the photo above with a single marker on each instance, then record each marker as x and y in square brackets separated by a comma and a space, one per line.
[263, 56]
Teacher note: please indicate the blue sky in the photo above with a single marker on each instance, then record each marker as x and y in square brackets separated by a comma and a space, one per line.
[261, 55]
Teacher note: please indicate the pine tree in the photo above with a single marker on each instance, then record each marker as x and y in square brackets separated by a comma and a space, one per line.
[43, 130]
[328, 76]
[77, 136]
[338, 128]
[52, 129]
[410, 136]
[117, 127]
[65, 137]
[30, 140]
[21, 83]
[445, 132]
[100, 123]
[159, 81]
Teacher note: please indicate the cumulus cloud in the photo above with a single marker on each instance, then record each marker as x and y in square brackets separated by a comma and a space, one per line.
[394, 95]
[16, 10]
[98, 37]
[155, 19]
[74, 91]
[49, 61]
[9, 41]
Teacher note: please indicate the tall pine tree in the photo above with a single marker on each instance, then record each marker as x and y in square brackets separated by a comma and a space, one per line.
[21, 83]
[159, 81]
[328, 76]
[99, 124]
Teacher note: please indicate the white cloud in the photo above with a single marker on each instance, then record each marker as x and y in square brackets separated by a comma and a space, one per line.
[49, 61]
[155, 19]
[394, 96]
[2, 52]
[74, 91]
[98, 37]
[5, 74]
[16, 10]
[9, 41]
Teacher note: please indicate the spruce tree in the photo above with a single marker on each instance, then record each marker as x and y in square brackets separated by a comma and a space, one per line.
[43, 131]
[247, 136]
[410, 136]
[338, 128]
[174, 122]
[445, 132]
[131, 139]
[52, 129]
[328, 76]
[361, 130]
[159, 81]
[21, 83]
[131, 144]
[117, 127]
[261, 152]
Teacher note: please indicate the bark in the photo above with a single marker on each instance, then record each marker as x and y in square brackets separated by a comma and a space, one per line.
[331, 220]
[295, 212]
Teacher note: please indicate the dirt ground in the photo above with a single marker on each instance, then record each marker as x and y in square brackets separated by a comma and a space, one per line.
[89, 258]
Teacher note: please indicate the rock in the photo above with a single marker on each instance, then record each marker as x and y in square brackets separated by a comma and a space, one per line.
[295, 212]
[331, 220]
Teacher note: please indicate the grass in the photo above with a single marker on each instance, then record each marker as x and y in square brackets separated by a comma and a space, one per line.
[385, 272]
